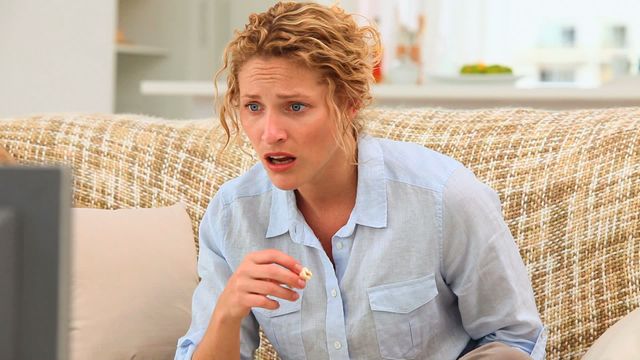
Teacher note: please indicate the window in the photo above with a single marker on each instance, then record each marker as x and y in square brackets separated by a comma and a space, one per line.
[578, 43]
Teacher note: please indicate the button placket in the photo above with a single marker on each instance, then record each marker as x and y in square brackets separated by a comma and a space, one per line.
[335, 321]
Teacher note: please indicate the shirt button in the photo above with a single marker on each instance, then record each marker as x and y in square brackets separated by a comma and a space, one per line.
[334, 293]
[339, 245]
[337, 345]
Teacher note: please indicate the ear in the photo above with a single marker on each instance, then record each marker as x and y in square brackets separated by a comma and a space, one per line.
[353, 112]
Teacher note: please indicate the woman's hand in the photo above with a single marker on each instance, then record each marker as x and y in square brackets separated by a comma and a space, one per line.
[261, 273]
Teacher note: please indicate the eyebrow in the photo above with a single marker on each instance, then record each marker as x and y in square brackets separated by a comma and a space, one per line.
[279, 96]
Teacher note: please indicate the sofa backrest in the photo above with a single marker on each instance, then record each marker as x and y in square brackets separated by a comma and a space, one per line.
[127, 161]
[569, 183]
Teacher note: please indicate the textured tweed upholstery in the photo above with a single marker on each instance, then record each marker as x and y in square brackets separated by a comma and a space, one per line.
[569, 183]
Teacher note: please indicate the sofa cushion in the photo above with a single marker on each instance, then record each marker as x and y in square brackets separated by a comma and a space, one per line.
[620, 342]
[133, 275]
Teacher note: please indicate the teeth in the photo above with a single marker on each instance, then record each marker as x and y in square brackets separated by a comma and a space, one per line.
[280, 159]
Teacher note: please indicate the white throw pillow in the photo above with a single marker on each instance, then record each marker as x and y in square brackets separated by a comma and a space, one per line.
[620, 342]
[133, 275]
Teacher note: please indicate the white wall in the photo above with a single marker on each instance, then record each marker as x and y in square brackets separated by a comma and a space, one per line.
[56, 55]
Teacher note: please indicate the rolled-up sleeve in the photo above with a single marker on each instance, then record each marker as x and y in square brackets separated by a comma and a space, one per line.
[214, 272]
[483, 267]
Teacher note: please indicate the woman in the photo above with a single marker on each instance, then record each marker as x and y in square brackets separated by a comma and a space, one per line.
[408, 261]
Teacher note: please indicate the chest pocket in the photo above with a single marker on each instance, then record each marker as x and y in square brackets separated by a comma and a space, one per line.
[400, 315]
[282, 327]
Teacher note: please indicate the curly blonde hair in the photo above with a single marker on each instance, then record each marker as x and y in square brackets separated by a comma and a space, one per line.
[325, 39]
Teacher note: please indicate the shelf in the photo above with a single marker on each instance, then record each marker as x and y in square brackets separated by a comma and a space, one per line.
[608, 54]
[144, 50]
[180, 88]
[558, 56]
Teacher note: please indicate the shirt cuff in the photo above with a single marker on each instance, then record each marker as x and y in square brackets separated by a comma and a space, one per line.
[186, 347]
[535, 349]
[538, 351]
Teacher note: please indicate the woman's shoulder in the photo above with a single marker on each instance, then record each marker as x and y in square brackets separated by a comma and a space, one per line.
[416, 164]
[252, 183]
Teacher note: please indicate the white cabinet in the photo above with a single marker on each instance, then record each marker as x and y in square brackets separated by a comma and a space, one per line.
[166, 40]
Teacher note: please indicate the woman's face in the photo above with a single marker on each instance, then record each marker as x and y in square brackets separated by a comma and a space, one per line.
[285, 116]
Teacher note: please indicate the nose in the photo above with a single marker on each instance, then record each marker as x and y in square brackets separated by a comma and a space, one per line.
[273, 131]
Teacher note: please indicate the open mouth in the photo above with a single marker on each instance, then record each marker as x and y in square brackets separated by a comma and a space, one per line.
[280, 160]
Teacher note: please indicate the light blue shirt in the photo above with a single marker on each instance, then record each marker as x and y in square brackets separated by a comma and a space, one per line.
[424, 264]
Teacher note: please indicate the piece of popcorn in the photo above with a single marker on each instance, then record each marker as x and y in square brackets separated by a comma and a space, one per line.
[305, 274]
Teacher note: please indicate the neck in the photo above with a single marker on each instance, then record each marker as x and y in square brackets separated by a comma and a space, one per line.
[338, 192]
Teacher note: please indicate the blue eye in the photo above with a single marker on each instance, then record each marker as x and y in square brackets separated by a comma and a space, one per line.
[253, 107]
[297, 107]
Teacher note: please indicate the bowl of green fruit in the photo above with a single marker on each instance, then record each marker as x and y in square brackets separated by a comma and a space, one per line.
[482, 69]
[480, 72]
[486, 73]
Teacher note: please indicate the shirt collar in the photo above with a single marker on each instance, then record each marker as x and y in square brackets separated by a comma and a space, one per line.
[282, 212]
[371, 195]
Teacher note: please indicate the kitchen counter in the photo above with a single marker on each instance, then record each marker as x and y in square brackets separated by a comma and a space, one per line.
[622, 92]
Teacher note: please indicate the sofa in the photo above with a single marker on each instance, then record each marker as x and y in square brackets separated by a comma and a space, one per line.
[569, 182]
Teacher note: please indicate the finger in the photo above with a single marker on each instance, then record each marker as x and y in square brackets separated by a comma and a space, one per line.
[271, 256]
[269, 288]
[280, 275]
[261, 301]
